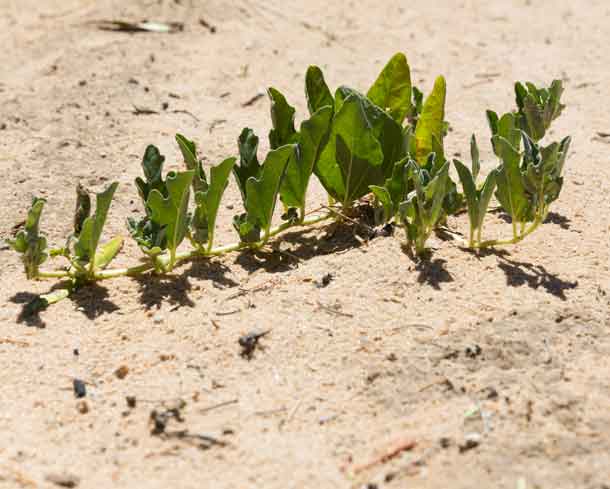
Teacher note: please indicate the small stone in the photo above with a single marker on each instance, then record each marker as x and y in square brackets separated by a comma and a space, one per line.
[82, 407]
[121, 372]
[63, 480]
[157, 318]
[131, 401]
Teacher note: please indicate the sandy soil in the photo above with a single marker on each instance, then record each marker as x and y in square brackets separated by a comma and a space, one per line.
[495, 366]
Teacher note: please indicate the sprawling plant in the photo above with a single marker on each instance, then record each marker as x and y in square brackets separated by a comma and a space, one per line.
[388, 142]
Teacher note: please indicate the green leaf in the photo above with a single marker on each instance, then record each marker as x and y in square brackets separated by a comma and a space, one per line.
[188, 149]
[282, 118]
[83, 208]
[372, 143]
[29, 242]
[317, 91]
[107, 252]
[430, 123]
[382, 194]
[510, 192]
[470, 192]
[152, 164]
[171, 212]
[538, 107]
[392, 89]
[311, 139]
[248, 162]
[89, 238]
[474, 157]
[262, 192]
[208, 201]
[485, 195]
[386, 130]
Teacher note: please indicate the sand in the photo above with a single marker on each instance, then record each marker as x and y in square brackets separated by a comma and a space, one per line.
[486, 371]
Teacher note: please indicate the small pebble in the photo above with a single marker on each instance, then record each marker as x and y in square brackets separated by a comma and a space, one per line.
[63, 480]
[158, 318]
[121, 372]
[82, 407]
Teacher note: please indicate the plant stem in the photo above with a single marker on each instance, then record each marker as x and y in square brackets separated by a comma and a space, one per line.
[164, 261]
[515, 240]
[53, 274]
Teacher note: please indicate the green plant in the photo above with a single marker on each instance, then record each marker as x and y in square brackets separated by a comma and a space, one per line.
[389, 142]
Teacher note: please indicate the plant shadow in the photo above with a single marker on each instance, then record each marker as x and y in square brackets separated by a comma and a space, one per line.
[555, 218]
[433, 272]
[93, 300]
[534, 276]
[302, 246]
[174, 289]
[32, 305]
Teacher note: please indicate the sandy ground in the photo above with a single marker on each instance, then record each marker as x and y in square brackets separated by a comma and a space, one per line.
[495, 366]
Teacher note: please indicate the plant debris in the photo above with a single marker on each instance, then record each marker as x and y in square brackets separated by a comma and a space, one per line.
[249, 342]
[79, 388]
[135, 27]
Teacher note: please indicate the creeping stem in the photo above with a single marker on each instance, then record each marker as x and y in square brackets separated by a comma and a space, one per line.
[166, 262]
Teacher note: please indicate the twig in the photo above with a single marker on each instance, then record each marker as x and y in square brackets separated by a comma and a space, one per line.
[393, 451]
[294, 410]
[347, 218]
[253, 100]
[219, 405]
[182, 111]
[334, 311]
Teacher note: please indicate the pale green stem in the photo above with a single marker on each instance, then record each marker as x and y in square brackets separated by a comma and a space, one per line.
[53, 274]
[515, 240]
[164, 261]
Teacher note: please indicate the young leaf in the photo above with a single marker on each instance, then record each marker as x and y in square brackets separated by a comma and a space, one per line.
[510, 192]
[171, 212]
[86, 245]
[83, 208]
[311, 139]
[208, 201]
[282, 118]
[394, 191]
[474, 157]
[317, 92]
[485, 196]
[470, 192]
[392, 89]
[29, 242]
[430, 123]
[262, 192]
[188, 149]
[107, 252]
[152, 164]
[538, 107]
[248, 161]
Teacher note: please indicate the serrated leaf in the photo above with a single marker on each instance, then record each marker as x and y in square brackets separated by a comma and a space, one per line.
[430, 122]
[107, 252]
[317, 91]
[171, 212]
[248, 161]
[282, 118]
[312, 137]
[392, 89]
[208, 201]
[262, 192]
[86, 245]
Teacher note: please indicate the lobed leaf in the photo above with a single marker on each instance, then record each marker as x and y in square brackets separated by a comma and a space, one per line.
[248, 161]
